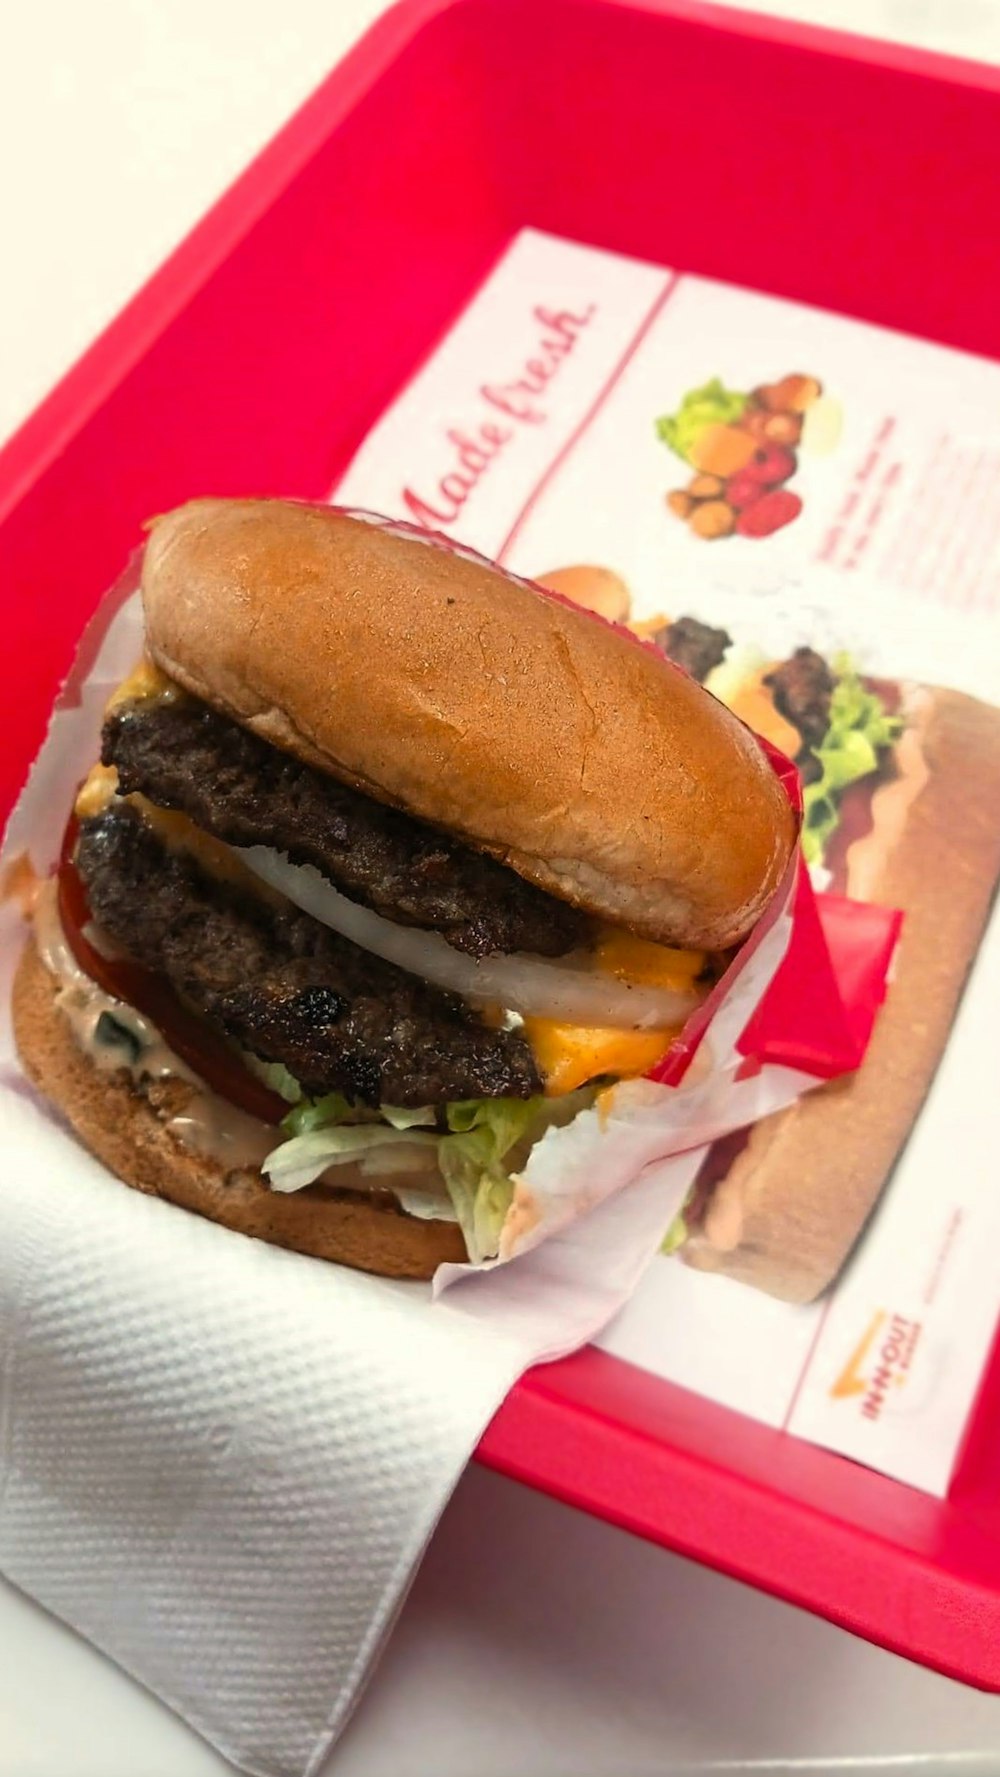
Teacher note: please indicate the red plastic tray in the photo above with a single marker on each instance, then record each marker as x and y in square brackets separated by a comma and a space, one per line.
[819, 167]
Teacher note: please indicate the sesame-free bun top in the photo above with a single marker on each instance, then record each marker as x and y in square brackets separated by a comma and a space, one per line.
[436, 683]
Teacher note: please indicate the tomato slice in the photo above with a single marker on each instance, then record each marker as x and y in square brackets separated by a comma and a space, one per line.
[197, 1045]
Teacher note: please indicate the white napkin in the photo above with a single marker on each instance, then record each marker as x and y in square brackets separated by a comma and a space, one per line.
[221, 1462]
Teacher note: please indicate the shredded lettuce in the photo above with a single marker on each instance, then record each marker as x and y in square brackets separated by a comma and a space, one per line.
[712, 404]
[506, 1119]
[675, 1235]
[480, 1191]
[484, 1139]
[303, 1159]
[482, 1133]
[321, 1113]
[859, 727]
[398, 1117]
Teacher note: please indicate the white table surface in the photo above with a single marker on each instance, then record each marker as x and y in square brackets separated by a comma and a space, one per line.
[535, 1640]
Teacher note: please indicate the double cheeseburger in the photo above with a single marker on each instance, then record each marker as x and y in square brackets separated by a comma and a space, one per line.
[390, 862]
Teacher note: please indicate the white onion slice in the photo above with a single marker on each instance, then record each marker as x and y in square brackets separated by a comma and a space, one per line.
[529, 985]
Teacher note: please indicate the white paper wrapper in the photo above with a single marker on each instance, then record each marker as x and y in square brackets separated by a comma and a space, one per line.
[221, 1462]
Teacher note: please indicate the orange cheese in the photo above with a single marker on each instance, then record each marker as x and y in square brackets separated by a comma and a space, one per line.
[618, 953]
[96, 791]
[176, 830]
[568, 1055]
[145, 684]
[754, 705]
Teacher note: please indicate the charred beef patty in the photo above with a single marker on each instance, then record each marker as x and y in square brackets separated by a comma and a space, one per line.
[182, 755]
[285, 987]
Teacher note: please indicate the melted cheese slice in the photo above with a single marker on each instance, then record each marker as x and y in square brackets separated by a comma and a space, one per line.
[99, 787]
[145, 684]
[568, 1055]
[175, 830]
[651, 965]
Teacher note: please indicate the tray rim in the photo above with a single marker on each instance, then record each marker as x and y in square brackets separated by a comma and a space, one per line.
[74, 398]
[554, 1430]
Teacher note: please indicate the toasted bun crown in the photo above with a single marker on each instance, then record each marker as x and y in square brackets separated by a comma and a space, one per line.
[440, 685]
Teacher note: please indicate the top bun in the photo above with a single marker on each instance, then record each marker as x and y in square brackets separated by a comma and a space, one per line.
[434, 682]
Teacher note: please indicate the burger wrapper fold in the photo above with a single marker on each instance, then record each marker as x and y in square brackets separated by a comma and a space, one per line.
[221, 1462]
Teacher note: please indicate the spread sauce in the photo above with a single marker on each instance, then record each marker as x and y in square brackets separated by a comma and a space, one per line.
[116, 1038]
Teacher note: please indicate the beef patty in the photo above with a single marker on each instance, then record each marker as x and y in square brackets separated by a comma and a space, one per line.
[285, 987]
[183, 755]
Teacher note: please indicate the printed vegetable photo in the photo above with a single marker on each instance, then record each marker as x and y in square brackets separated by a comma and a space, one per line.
[744, 451]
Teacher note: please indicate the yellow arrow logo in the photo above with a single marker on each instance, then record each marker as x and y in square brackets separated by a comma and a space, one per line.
[851, 1381]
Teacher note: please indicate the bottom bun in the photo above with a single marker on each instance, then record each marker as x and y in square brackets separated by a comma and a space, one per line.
[122, 1127]
[797, 1196]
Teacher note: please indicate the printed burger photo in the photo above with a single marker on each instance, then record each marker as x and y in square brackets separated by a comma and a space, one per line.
[901, 783]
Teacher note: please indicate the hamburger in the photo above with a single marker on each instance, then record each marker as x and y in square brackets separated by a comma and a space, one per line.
[901, 783]
[390, 863]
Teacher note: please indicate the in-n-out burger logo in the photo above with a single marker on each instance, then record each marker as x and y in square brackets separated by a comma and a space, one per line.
[511, 406]
[879, 1362]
